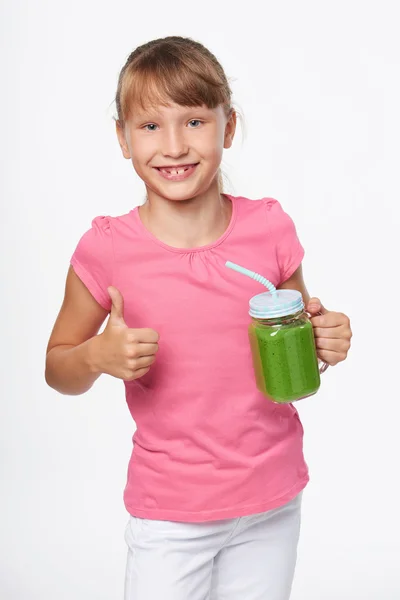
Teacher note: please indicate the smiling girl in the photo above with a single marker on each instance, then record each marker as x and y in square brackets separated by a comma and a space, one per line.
[217, 470]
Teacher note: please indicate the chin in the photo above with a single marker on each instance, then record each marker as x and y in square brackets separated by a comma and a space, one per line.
[177, 195]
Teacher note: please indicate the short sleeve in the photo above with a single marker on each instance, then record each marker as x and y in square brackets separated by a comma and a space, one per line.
[93, 260]
[281, 228]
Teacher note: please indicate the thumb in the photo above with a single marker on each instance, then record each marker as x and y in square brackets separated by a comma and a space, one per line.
[117, 306]
[314, 306]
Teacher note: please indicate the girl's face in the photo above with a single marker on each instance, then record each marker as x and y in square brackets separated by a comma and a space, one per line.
[177, 150]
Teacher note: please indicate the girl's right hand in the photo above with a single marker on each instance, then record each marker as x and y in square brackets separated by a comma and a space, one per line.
[120, 351]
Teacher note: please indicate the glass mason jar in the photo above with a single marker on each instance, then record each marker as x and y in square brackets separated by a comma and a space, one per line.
[283, 347]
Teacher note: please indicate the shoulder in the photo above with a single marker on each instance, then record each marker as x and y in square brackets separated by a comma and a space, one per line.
[93, 259]
[95, 240]
[107, 224]
[104, 227]
[101, 223]
[264, 208]
[100, 227]
[265, 203]
[98, 239]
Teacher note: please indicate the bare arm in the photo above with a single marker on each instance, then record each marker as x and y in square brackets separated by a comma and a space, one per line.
[77, 356]
[70, 365]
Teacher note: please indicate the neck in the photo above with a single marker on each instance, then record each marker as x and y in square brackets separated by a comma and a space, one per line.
[191, 223]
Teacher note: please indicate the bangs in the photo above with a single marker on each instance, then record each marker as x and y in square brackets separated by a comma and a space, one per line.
[164, 79]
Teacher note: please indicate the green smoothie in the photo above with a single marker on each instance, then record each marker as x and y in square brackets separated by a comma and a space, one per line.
[285, 361]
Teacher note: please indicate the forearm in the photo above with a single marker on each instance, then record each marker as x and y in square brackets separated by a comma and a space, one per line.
[72, 370]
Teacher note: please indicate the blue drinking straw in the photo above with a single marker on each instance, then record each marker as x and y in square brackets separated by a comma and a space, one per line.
[256, 276]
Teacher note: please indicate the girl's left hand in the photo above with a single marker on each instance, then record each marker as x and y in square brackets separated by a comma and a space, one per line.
[332, 332]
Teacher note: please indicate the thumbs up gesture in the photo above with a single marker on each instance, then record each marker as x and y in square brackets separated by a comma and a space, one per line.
[123, 352]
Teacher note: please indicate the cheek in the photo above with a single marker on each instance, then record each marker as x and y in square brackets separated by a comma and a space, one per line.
[142, 148]
[211, 147]
[215, 152]
[217, 155]
[140, 157]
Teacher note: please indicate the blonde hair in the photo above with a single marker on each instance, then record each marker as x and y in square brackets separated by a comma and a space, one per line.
[174, 69]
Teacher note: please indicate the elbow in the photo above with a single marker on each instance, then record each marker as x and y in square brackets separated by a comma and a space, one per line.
[50, 380]
[65, 388]
[47, 378]
[48, 374]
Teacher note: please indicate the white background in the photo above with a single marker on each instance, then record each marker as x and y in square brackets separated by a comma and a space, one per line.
[318, 83]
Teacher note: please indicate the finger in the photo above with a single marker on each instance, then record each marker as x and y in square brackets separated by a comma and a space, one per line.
[143, 336]
[141, 363]
[147, 349]
[333, 345]
[339, 332]
[332, 358]
[137, 374]
[136, 350]
[314, 306]
[117, 304]
[329, 319]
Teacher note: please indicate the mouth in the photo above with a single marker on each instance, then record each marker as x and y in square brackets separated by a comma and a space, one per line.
[177, 172]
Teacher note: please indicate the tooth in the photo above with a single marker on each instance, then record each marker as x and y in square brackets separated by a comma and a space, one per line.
[175, 171]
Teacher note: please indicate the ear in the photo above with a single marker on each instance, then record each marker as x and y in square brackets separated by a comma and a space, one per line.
[230, 129]
[122, 139]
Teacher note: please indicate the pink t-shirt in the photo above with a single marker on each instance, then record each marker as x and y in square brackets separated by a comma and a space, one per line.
[208, 444]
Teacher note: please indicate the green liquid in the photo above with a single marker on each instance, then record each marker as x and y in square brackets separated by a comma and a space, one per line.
[285, 360]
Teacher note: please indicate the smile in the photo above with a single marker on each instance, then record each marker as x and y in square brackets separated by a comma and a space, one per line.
[178, 172]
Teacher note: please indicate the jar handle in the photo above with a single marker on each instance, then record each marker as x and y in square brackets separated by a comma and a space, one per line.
[323, 365]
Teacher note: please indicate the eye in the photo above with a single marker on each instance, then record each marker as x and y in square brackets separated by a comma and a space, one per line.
[194, 123]
[150, 127]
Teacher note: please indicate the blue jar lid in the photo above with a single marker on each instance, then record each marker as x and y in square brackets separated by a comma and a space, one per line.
[272, 306]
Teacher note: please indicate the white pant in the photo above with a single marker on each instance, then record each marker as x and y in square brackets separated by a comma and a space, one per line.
[249, 558]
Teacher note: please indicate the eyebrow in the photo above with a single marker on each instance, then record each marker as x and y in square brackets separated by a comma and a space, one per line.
[154, 115]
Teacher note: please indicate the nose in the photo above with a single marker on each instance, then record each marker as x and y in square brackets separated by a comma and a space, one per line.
[174, 143]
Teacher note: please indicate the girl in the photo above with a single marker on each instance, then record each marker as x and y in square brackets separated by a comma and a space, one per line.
[216, 473]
